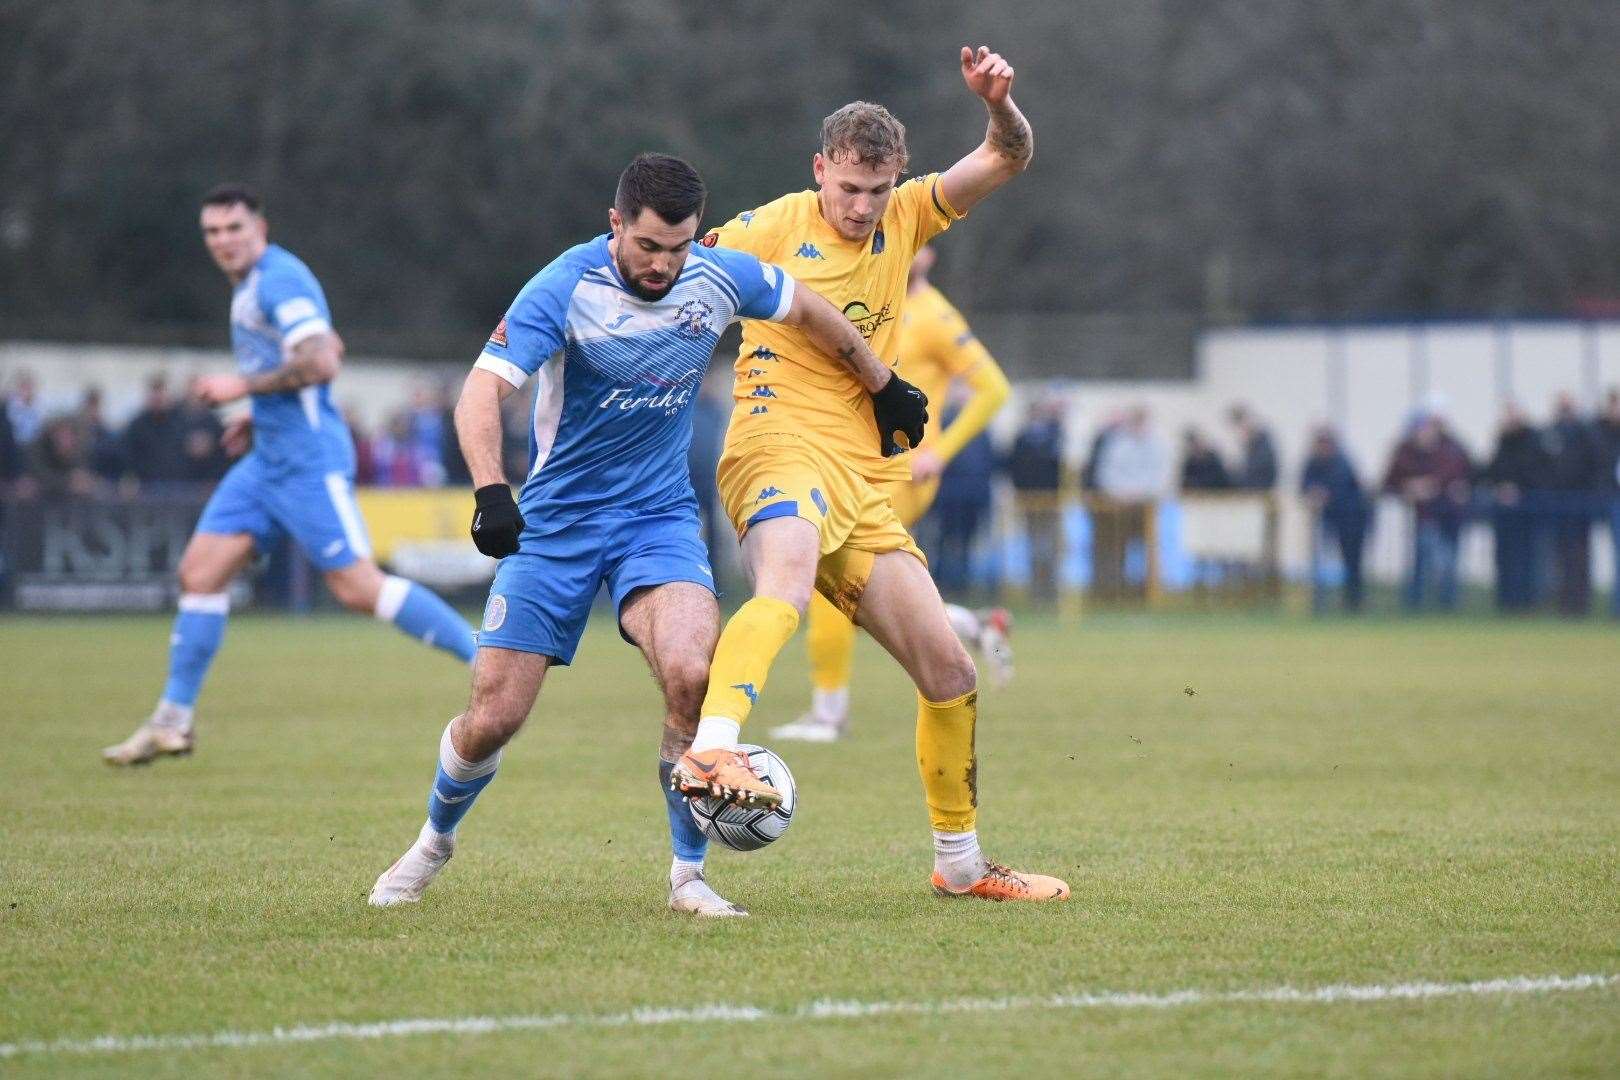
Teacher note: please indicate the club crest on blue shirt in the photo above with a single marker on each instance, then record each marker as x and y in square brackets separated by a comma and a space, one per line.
[692, 319]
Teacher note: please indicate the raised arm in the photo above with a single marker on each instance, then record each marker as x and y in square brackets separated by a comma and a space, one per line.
[1008, 145]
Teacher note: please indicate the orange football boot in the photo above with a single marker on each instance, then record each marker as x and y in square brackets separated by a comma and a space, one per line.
[1000, 883]
[722, 774]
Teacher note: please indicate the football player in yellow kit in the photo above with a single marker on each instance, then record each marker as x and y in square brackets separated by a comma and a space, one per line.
[937, 349]
[812, 440]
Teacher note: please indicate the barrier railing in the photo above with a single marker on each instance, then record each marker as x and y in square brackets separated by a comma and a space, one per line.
[1062, 548]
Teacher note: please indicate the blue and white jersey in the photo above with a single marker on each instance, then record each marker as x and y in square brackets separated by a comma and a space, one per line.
[618, 375]
[275, 307]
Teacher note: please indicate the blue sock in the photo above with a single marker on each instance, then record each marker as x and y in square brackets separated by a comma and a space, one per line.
[456, 785]
[686, 840]
[421, 614]
[198, 630]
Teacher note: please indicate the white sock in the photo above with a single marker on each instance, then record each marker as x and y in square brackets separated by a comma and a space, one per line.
[458, 767]
[830, 706]
[681, 871]
[715, 731]
[168, 714]
[391, 597]
[435, 841]
[958, 859]
[965, 623]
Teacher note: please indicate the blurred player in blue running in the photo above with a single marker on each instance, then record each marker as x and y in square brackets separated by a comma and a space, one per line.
[298, 478]
[619, 332]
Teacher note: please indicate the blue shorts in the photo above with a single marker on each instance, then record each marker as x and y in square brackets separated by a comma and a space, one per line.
[542, 597]
[316, 510]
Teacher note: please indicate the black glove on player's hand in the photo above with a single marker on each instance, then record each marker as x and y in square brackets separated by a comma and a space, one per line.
[496, 523]
[900, 409]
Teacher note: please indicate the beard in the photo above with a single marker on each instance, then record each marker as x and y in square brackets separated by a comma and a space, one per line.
[640, 290]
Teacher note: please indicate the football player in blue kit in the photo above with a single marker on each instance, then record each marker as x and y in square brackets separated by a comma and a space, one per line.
[298, 478]
[618, 332]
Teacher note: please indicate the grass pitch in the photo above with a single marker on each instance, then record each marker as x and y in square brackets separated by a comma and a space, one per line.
[1239, 804]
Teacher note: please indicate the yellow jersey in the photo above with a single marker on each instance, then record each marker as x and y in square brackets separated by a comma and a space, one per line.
[784, 384]
[937, 347]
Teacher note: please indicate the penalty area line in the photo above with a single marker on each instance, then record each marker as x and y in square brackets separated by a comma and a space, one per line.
[824, 1009]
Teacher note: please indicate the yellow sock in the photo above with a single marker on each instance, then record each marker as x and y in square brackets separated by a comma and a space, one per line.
[946, 760]
[830, 638]
[747, 648]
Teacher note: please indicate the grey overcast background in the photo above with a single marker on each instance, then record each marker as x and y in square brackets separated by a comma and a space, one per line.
[1210, 161]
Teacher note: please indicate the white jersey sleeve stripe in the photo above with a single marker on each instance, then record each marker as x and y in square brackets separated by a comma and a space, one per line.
[504, 368]
[306, 329]
[786, 303]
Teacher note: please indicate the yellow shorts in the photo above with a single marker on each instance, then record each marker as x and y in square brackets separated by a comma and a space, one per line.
[911, 498]
[772, 476]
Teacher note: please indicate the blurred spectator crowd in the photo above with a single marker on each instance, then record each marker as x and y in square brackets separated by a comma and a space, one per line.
[170, 439]
[174, 438]
[416, 446]
[1542, 491]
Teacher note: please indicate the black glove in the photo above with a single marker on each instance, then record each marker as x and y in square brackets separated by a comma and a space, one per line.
[496, 523]
[902, 409]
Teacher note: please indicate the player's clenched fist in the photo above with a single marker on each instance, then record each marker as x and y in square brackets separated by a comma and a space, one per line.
[987, 74]
[900, 409]
[496, 523]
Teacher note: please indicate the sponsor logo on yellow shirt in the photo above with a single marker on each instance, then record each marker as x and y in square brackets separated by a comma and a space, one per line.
[865, 319]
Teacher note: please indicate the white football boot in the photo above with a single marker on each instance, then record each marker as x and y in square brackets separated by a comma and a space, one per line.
[167, 731]
[810, 728]
[409, 877]
[995, 644]
[694, 897]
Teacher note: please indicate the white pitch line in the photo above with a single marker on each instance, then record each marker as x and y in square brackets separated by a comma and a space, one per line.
[813, 1010]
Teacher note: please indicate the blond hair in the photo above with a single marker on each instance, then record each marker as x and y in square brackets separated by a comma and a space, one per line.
[862, 133]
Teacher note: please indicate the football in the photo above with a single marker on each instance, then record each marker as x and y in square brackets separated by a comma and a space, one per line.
[743, 829]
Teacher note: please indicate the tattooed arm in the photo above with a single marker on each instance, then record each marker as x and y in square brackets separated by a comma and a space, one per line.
[836, 336]
[1008, 145]
[899, 410]
[316, 359]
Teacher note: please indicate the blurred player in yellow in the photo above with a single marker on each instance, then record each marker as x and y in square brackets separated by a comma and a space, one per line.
[814, 438]
[937, 349]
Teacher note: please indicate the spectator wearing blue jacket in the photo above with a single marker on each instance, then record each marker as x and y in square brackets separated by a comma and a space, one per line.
[963, 506]
[1330, 486]
[1575, 474]
[1515, 478]
[1608, 437]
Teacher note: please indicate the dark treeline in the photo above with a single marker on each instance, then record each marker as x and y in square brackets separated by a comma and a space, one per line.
[1219, 158]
